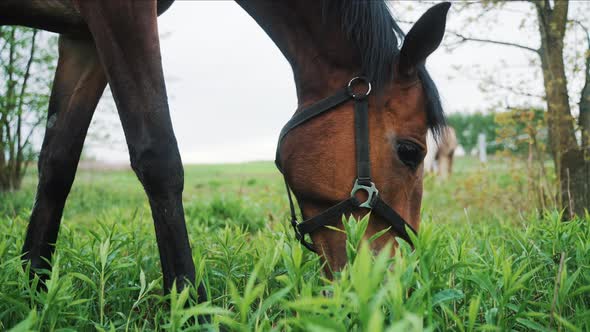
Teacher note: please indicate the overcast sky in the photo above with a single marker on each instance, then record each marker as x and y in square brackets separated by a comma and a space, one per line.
[231, 90]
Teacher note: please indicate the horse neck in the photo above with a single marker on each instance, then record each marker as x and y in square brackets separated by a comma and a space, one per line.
[320, 55]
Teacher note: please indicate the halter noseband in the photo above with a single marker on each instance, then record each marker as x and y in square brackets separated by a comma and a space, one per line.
[363, 167]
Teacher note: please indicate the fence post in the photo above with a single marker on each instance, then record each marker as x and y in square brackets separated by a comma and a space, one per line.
[481, 147]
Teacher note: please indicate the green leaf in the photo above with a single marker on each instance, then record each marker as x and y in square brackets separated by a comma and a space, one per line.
[142, 283]
[26, 325]
[447, 295]
[274, 298]
[85, 279]
[533, 326]
[473, 311]
[378, 234]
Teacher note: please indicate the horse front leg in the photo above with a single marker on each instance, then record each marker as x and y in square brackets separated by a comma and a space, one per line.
[126, 36]
[78, 85]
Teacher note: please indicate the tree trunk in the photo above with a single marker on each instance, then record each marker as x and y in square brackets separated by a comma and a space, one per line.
[7, 141]
[584, 104]
[14, 139]
[584, 120]
[584, 123]
[570, 166]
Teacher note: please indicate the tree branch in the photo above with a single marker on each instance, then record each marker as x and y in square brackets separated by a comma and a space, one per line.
[513, 90]
[2, 37]
[11, 86]
[31, 132]
[583, 27]
[463, 39]
[19, 144]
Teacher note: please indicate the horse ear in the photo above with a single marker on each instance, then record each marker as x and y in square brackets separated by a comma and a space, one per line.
[424, 37]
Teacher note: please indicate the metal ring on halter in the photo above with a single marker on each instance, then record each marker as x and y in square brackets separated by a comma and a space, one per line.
[353, 81]
[371, 191]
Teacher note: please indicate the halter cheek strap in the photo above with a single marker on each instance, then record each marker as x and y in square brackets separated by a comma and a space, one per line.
[363, 179]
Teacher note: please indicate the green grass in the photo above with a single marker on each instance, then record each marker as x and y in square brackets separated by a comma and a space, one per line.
[485, 259]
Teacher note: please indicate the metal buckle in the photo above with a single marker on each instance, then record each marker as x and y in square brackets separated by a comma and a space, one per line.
[360, 79]
[371, 190]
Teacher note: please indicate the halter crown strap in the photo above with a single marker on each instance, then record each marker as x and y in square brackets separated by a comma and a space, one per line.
[363, 180]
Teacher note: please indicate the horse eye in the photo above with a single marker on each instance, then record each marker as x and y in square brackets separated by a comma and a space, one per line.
[411, 154]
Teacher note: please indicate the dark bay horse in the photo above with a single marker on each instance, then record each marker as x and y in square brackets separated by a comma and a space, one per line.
[326, 42]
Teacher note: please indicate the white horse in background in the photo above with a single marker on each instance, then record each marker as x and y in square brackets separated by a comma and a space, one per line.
[439, 157]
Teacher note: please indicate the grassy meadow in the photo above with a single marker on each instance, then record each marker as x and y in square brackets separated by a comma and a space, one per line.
[486, 259]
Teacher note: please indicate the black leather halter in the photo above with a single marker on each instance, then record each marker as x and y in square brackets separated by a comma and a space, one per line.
[363, 167]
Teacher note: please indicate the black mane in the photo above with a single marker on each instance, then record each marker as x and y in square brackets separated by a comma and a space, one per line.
[369, 26]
